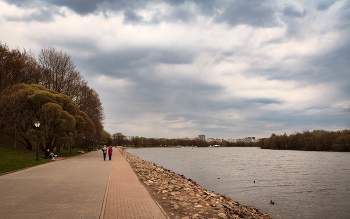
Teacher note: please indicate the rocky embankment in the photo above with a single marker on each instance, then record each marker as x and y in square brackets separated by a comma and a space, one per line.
[182, 198]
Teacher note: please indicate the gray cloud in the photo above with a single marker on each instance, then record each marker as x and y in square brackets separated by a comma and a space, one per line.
[124, 63]
[332, 66]
[22, 3]
[131, 17]
[80, 6]
[39, 15]
[83, 7]
[325, 4]
[255, 13]
[291, 11]
[263, 101]
[345, 13]
[180, 13]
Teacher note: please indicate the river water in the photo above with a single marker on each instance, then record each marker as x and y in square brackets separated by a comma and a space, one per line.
[303, 184]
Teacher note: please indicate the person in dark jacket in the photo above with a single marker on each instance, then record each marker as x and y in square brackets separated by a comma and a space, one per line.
[50, 155]
[104, 150]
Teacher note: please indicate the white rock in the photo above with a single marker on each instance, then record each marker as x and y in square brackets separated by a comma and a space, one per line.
[222, 215]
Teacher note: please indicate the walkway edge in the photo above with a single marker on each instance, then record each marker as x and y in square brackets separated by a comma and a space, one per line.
[105, 198]
[161, 209]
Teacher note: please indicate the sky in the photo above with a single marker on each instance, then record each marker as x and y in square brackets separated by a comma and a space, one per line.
[181, 68]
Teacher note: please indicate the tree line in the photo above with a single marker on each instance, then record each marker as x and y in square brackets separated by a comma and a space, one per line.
[52, 90]
[317, 140]
[120, 139]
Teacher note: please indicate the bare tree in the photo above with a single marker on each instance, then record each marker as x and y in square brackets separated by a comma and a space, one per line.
[118, 138]
[17, 67]
[89, 101]
[59, 72]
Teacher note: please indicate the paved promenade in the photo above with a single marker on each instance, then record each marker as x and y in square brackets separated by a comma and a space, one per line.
[76, 188]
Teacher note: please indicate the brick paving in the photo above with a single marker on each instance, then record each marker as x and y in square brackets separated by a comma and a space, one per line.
[126, 197]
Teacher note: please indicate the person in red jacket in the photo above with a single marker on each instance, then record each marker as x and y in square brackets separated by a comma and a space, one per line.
[110, 150]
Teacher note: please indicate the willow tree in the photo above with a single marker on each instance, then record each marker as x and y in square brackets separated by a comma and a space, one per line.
[14, 111]
[57, 113]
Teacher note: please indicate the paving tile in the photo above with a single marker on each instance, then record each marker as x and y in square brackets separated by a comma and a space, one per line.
[126, 197]
[71, 188]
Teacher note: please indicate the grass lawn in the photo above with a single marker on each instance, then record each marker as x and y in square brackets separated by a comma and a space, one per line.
[13, 160]
[65, 153]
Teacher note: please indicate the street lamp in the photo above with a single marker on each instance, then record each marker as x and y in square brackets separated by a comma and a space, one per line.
[37, 124]
[70, 145]
[83, 144]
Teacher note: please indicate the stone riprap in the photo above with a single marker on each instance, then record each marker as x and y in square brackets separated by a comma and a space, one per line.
[183, 198]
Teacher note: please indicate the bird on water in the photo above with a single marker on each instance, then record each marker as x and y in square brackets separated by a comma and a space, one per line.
[272, 203]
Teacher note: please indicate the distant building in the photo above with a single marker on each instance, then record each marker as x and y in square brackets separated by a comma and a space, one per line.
[201, 137]
[209, 140]
[231, 140]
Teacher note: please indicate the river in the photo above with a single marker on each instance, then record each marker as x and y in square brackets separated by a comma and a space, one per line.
[302, 184]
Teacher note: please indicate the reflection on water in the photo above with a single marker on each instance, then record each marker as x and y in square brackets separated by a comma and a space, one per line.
[302, 184]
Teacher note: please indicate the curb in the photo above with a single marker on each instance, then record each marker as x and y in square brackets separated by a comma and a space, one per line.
[160, 207]
[105, 198]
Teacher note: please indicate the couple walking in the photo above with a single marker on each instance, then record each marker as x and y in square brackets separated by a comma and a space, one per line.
[104, 150]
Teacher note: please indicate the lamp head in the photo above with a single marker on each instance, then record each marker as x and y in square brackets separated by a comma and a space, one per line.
[37, 123]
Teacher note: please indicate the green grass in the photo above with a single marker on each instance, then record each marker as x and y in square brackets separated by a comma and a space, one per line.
[65, 153]
[13, 160]
[5, 152]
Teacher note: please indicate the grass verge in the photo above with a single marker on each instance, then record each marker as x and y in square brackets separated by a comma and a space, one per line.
[66, 153]
[11, 160]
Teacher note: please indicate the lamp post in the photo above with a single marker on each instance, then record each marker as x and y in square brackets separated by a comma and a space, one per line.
[70, 145]
[37, 124]
[83, 144]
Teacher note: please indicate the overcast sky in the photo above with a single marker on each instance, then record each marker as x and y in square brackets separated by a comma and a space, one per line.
[180, 68]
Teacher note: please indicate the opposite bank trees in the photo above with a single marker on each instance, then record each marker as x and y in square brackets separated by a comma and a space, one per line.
[317, 140]
[61, 120]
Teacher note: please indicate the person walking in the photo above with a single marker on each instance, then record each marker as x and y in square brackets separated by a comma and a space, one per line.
[110, 150]
[104, 150]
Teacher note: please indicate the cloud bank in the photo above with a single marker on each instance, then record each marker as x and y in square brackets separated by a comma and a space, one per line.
[183, 68]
